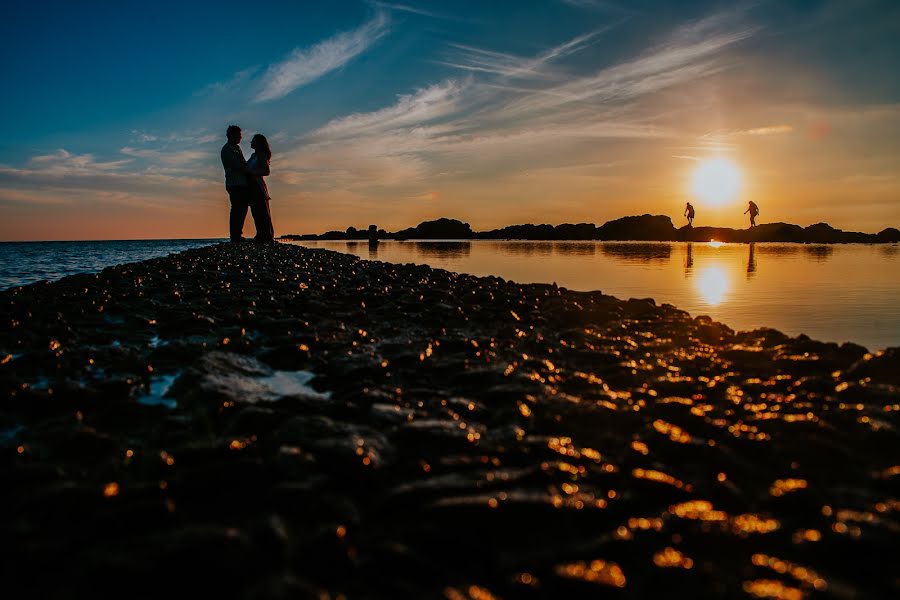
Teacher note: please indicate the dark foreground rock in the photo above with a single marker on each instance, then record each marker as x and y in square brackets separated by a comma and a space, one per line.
[275, 422]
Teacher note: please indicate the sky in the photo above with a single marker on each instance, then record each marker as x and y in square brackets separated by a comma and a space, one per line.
[494, 113]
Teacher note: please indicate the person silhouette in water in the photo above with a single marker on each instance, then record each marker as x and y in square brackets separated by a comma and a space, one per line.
[753, 209]
[689, 213]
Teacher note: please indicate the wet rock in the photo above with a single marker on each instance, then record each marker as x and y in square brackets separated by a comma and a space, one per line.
[881, 367]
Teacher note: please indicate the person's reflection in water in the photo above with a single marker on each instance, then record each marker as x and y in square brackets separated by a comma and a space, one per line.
[688, 259]
[751, 260]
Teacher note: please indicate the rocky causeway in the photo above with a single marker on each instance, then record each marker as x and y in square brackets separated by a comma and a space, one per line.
[272, 421]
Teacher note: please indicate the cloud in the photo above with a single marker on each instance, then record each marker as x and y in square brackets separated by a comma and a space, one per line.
[180, 157]
[414, 10]
[235, 82]
[597, 4]
[63, 170]
[304, 65]
[756, 131]
[186, 137]
[63, 163]
[770, 130]
[691, 52]
[507, 65]
[422, 106]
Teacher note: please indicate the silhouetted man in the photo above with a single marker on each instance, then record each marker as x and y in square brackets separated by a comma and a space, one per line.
[236, 182]
[753, 209]
[689, 213]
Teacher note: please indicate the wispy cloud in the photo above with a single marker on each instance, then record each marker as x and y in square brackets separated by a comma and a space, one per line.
[422, 106]
[65, 170]
[470, 58]
[755, 131]
[62, 162]
[597, 4]
[486, 125]
[304, 65]
[180, 157]
[415, 10]
[692, 52]
[181, 138]
[235, 82]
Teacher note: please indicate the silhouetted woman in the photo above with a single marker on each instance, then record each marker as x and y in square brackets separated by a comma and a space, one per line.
[257, 168]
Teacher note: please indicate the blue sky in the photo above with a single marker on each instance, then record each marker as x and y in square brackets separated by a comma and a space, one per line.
[492, 112]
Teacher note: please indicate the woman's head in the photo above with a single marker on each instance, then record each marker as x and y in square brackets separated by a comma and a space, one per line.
[261, 145]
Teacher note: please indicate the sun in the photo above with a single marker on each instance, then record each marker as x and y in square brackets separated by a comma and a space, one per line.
[716, 181]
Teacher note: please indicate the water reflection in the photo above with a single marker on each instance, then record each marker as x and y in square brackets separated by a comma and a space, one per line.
[638, 252]
[751, 260]
[522, 248]
[779, 249]
[889, 250]
[836, 293]
[819, 252]
[713, 284]
[443, 249]
[575, 248]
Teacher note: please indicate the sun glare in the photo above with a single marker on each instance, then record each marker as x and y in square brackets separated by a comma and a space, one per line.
[713, 285]
[716, 181]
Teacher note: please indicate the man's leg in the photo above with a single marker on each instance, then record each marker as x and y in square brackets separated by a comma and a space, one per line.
[238, 196]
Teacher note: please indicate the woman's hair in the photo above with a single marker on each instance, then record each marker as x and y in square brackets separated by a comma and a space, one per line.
[262, 145]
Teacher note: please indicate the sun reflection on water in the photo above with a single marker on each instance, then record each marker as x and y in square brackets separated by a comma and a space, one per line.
[713, 284]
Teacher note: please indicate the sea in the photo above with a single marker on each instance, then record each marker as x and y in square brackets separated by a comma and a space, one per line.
[836, 293]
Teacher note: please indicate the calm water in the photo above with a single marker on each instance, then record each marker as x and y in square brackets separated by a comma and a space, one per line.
[22, 263]
[834, 293]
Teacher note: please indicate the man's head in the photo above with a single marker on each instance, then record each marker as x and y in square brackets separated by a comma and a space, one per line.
[234, 134]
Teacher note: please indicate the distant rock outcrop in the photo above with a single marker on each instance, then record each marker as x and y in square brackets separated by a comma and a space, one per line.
[441, 229]
[889, 234]
[566, 231]
[657, 228]
[643, 228]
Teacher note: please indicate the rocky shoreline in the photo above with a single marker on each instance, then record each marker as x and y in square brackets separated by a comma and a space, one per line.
[274, 421]
[643, 228]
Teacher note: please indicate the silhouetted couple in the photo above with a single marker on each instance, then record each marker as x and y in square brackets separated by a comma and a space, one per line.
[246, 186]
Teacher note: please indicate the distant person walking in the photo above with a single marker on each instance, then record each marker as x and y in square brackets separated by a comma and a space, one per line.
[257, 168]
[689, 213]
[753, 209]
[235, 182]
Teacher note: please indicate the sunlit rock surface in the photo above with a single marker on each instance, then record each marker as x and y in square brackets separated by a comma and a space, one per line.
[273, 422]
